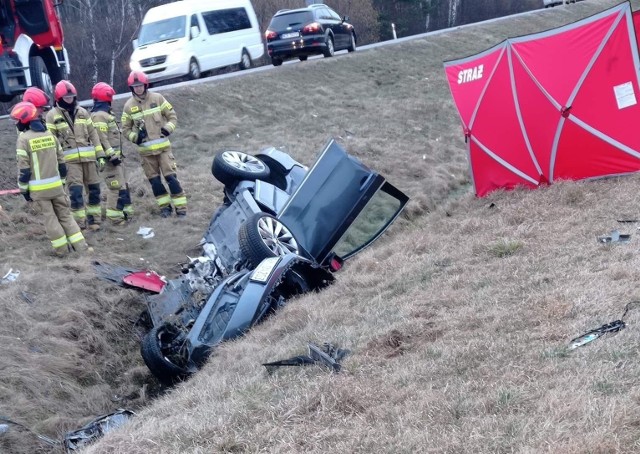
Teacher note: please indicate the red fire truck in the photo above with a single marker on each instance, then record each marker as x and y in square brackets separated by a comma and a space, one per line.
[32, 51]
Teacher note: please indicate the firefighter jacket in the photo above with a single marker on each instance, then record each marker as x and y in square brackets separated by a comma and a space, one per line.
[105, 123]
[39, 157]
[77, 135]
[151, 112]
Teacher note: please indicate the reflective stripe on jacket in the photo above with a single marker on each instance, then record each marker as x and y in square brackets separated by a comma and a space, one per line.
[108, 131]
[81, 142]
[152, 113]
[40, 152]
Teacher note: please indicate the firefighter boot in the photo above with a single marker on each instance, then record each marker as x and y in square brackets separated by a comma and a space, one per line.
[166, 211]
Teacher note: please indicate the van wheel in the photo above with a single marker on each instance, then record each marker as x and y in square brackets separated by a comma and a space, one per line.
[276, 61]
[245, 60]
[194, 70]
[303, 57]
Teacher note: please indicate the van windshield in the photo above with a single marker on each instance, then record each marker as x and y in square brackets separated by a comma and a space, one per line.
[163, 30]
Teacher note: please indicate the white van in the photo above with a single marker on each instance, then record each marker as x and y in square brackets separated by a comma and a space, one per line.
[188, 37]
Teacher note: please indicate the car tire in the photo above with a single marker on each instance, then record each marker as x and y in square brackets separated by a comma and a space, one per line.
[245, 60]
[303, 57]
[154, 357]
[330, 48]
[352, 43]
[194, 69]
[276, 62]
[229, 167]
[263, 236]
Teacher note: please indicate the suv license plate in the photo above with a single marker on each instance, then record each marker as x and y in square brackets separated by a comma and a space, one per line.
[263, 271]
[290, 35]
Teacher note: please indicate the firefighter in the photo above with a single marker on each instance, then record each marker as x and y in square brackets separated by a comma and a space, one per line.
[147, 120]
[41, 170]
[83, 154]
[119, 207]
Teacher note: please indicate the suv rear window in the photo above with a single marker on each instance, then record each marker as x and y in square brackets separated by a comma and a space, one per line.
[283, 21]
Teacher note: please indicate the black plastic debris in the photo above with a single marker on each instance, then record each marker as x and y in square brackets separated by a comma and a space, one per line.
[113, 273]
[614, 237]
[95, 429]
[327, 355]
[594, 334]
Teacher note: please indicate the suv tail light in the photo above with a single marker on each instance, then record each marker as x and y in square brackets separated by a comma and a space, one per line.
[313, 27]
[270, 34]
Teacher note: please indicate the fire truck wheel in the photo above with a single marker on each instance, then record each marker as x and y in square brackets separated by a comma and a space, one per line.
[40, 76]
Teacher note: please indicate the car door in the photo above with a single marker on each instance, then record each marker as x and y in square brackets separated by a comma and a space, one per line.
[341, 206]
[198, 43]
[340, 30]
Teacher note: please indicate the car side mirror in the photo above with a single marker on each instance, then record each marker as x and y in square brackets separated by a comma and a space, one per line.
[195, 32]
[134, 43]
[345, 19]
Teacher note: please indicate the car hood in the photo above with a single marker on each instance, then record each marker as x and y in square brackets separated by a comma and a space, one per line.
[157, 49]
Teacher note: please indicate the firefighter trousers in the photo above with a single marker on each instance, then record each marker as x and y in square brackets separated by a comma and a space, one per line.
[62, 229]
[165, 164]
[119, 206]
[83, 176]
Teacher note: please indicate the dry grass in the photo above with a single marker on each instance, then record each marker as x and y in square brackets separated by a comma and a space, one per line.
[457, 320]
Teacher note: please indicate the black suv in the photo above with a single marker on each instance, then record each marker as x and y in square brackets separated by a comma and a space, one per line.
[316, 29]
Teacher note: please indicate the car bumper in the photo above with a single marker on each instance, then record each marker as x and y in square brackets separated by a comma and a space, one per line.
[168, 70]
[306, 45]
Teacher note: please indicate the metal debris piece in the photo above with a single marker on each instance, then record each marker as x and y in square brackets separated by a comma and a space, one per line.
[95, 429]
[615, 237]
[11, 276]
[594, 334]
[146, 232]
[328, 355]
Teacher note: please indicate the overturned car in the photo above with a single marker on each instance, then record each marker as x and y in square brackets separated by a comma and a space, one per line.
[282, 230]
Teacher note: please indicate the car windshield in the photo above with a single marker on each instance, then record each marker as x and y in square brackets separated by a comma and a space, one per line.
[282, 21]
[163, 30]
[376, 216]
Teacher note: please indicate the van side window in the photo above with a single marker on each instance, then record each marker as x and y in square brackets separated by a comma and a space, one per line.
[226, 20]
[194, 23]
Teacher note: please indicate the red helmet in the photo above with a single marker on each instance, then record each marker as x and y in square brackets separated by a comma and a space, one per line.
[24, 112]
[102, 92]
[36, 97]
[64, 88]
[137, 78]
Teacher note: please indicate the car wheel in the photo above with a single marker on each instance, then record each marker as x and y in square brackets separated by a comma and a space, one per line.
[161, 353]
[276, 61]
[194, 69]
[229, 167]
[245, 60]
[330, 50]
[303, 57]
[263, 236]
[352, 44]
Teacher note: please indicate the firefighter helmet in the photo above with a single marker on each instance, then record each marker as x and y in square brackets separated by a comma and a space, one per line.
[36, 97]
[24, 112]
[102, 92]
[137, 78]
[64, 88]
